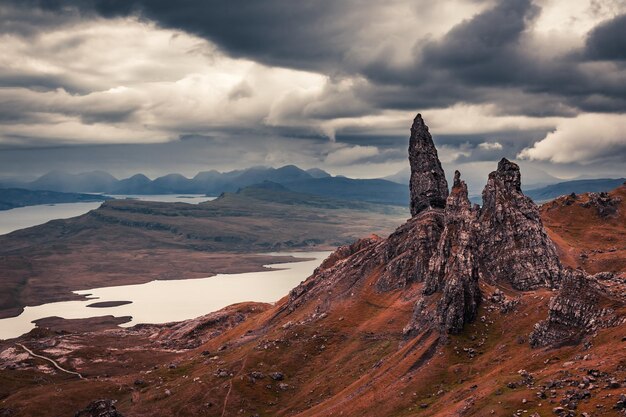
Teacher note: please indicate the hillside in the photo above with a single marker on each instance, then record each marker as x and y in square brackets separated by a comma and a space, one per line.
[589, 229]
[130, 241]
[552, 191]
[461, 311]
[16, 197]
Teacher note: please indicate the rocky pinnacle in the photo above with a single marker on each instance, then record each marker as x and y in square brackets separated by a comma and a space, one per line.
[428, 185]
[514, 246]
[454, 262]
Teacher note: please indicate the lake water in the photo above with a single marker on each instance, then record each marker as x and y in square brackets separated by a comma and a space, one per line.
[174, 300]
[167, 198]
[23, 217]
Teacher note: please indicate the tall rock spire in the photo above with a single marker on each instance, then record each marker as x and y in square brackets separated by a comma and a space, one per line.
[428, 185]
[513, 244]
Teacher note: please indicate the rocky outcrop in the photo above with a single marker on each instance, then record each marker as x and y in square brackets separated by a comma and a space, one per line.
[453, 268]
[514, 247]
[408, 250]
[337, 277]
[100, 408]
[448, 245]
[346, 251]
[579, 308]
[192, 333]
[604, 204]
[428, 185]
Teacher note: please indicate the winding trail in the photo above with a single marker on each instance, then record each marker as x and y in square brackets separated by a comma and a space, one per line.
[52, 361]
[230, 388]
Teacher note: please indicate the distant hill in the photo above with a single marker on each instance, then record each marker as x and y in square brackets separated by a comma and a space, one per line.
[313, 181]
[278, 193]
[401, 177]
[16, 197]
[578, 186]
[93, 182]
[317, 173]
[370, 190]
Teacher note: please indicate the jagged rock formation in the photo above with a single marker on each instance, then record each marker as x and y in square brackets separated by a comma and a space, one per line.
[605, 205]
[579, 308]
[428, 185]
[453, 266]
[514, 247]
[447, 245]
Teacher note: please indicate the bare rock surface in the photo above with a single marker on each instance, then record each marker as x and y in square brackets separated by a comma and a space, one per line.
[514, 247]
[579, 308]
[454, 270]
[605, 205]
[428, 185]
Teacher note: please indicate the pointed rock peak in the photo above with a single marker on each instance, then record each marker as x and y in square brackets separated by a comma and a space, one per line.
[428, 185]
[459, 186]
[418, 123]
[458, 195]
[457, 179]
[508, 172]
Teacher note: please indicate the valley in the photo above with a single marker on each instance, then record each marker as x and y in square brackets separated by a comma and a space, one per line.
[131, 242]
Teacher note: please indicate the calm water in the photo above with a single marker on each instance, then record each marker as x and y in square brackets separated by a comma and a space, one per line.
[22, 217]
[168, 198]
[165, 301]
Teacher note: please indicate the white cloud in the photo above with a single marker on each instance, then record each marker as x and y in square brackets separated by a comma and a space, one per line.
[129, 81]
[582, 139]
[351, 154]
[490, 146]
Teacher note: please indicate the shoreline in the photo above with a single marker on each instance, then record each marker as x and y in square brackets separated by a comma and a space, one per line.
[219, 263]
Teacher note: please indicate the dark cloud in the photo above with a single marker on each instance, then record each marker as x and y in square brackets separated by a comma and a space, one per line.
[608, 40]
[491, 59]
[275, 32]
[485, 49]
[478, 60]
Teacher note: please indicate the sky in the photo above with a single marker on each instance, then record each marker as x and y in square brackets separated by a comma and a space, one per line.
[160, 86]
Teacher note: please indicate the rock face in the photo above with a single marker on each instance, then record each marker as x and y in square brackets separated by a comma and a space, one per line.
[453, 268]
[605, 205]
[428, 185]
[514, 247]
[408, 250]
[579, 308]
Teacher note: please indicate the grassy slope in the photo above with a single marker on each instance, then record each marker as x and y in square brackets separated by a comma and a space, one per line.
[583, 238]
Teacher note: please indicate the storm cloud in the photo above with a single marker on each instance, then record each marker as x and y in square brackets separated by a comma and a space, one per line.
[515, 78]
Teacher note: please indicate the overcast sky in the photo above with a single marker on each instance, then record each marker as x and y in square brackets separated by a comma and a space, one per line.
[160, 86]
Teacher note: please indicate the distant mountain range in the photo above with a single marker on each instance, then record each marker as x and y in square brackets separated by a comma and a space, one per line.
[312, 181]
[389, 190]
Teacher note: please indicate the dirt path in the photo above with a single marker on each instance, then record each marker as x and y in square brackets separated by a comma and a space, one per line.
[230, 388]
[52, 361]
